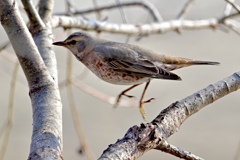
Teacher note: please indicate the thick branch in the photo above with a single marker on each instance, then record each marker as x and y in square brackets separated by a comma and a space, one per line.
[43, 37]
[140, 139]
[45, 98]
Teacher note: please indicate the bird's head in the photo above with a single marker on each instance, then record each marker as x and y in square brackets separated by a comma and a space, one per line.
[76, 42]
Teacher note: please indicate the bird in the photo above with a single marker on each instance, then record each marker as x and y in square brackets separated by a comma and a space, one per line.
[125, 64]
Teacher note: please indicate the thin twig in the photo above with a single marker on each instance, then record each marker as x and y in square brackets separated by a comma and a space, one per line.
[8, 56]
[120, 7]
[70, 7]
[233, 25]
[124, 17]
[184, 12]
[84, 145]
[12, 58]
[127, 103]
[81, 76]
[185, 9]
[98, 13]
[234, 5]
[228, 9]
[4, 45]
[146, 4]
[102, 96]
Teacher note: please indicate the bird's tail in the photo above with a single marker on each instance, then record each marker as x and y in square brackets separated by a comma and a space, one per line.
[172, 63]
[174, 60]
[196, 62]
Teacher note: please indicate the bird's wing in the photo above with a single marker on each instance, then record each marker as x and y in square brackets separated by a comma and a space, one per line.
[127, 60]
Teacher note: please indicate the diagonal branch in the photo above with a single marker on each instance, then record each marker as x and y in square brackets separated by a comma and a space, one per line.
[43, 91]
[35, 20]
[140, 139]
[186, 9]
[234, 25]
[102, 96]
[234, 5]
[168, 148]
[44, 38]
[228, 9]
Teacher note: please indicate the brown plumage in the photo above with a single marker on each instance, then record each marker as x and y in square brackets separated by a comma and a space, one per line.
[125, 64]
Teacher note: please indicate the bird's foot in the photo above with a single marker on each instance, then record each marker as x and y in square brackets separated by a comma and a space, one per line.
[129, 96]
[119, 98]
[141, 108]
[148, 101]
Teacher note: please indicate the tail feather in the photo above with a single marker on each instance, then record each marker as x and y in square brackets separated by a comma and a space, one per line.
[174, 60]
[205, 63]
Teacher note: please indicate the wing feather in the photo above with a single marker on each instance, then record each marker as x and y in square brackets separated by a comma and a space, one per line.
[127, 60]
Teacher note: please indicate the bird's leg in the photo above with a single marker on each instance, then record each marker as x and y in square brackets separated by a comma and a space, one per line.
[123, 94]
[141, 102]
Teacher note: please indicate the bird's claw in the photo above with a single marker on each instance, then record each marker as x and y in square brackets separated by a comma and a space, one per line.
[148, 101]
[142, 111]
[119, 97]
[141, 108]
[129, 96]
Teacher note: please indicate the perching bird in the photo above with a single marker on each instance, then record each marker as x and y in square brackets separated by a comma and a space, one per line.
[125, 64]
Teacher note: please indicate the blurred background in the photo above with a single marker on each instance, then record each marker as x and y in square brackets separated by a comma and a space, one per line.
[212, 133]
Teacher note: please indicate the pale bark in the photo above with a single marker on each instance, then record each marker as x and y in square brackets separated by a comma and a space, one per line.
[140, 139]
[43, 90]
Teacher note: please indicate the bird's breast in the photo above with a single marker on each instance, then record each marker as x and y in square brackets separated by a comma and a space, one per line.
[102, 69]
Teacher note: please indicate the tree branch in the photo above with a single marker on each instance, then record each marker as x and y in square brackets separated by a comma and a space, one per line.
[234, 5]
[140, 139]
[35, 20]
[44, 94]
[142, 29]
[102, 96]
[168, 148]
[186, 9]
[43, 37]
[153, 11]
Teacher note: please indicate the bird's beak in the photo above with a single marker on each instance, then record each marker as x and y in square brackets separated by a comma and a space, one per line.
[60, 43]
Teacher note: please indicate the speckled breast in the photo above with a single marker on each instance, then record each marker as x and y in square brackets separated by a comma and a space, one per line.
[101, 69]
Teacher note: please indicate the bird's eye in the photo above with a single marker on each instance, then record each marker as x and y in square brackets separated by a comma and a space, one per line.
[72, 42]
